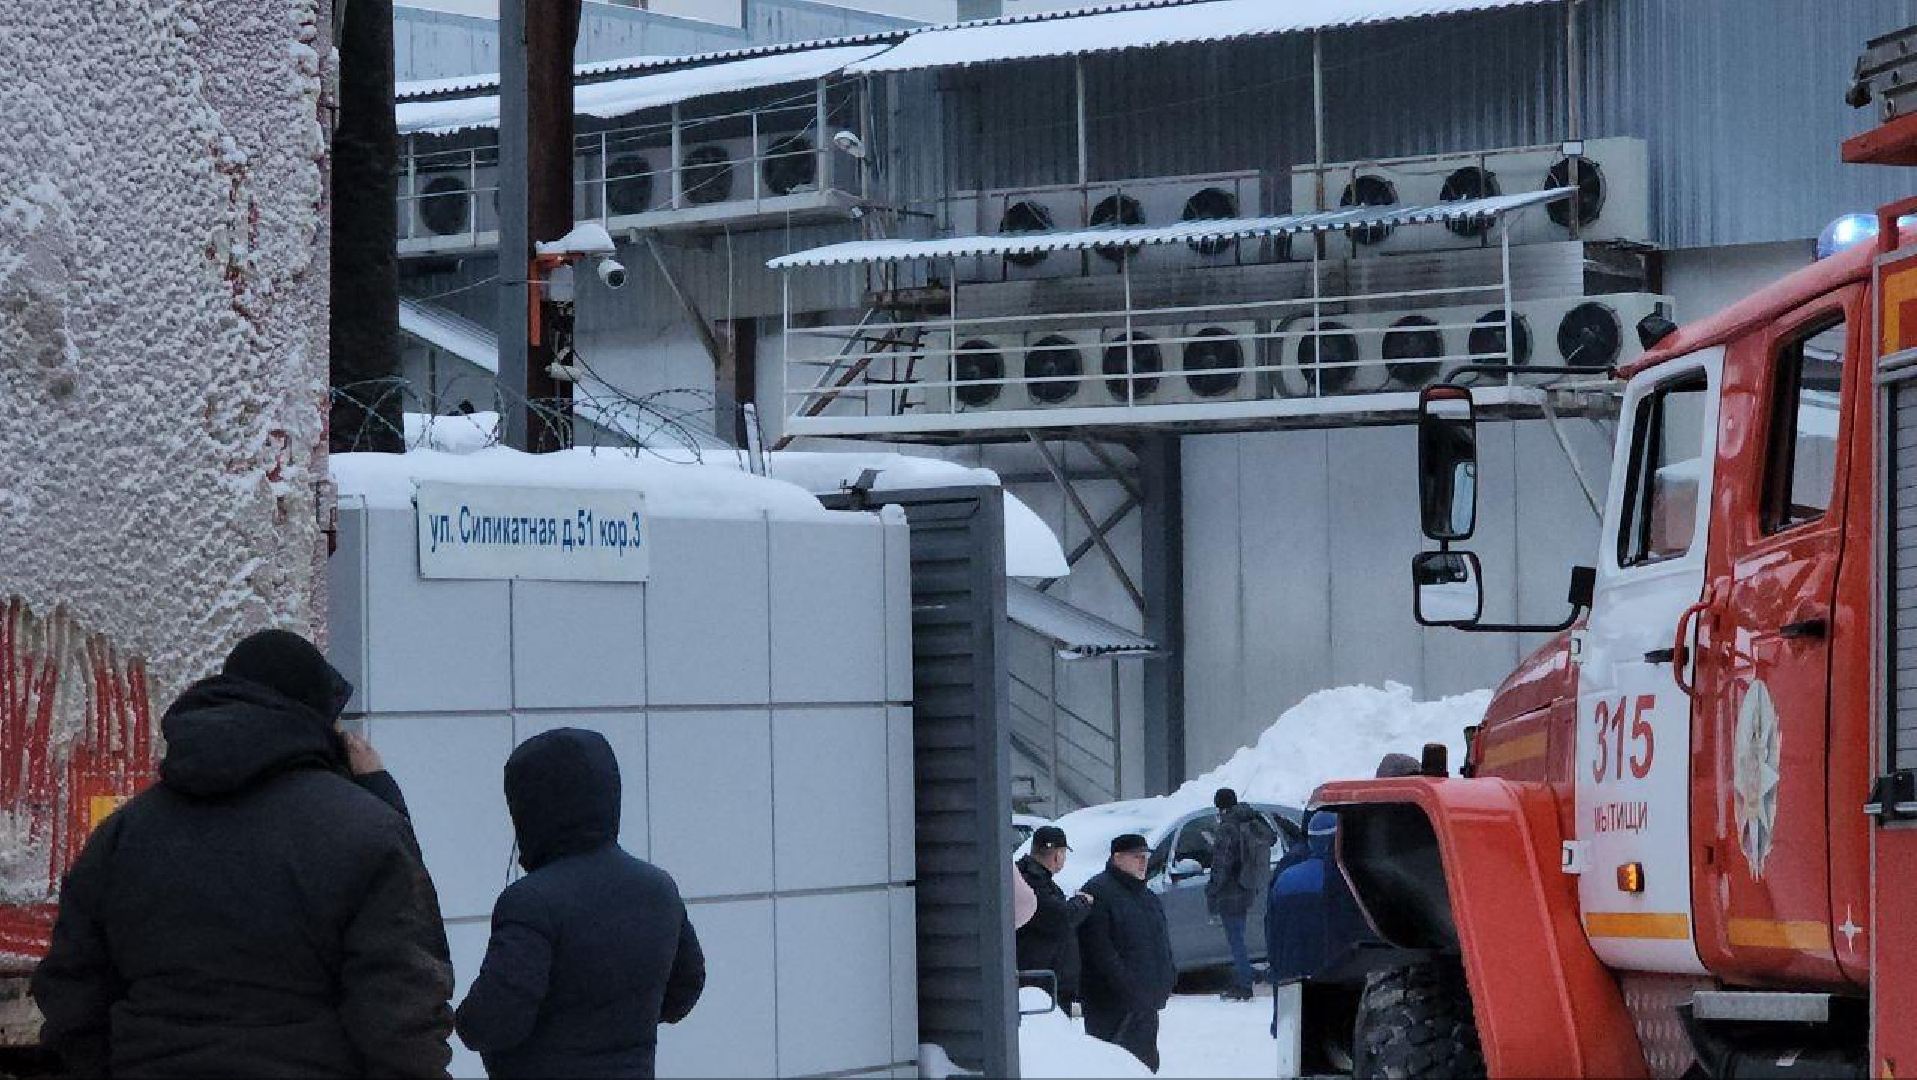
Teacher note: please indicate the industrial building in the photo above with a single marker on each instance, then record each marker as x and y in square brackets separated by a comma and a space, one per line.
[1176, 270]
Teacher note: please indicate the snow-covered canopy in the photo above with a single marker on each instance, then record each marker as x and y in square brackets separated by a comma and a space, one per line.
[442, 329]
[1342, 219]
[1144, 26]
[620, 97]
[1032, 550]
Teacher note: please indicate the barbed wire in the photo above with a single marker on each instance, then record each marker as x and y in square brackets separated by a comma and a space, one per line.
[678, 425]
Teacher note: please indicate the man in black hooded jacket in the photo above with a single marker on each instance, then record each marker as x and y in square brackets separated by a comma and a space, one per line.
[257, 912]
[592, 948]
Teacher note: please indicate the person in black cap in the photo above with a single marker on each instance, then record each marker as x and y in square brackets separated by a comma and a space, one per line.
[1049, 942]
[1126, 948]
[257, 912]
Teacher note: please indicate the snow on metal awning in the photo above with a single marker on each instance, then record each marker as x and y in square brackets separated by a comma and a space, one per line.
[1034, 37]
[619, 97]
[1078, 633]
[1343, 219]
[444, 330]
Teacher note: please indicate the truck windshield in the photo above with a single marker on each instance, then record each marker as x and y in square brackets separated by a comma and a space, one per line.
[1667, 467]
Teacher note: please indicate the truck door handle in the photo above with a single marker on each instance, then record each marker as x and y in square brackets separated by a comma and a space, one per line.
[1660, 656]
[1805, 628]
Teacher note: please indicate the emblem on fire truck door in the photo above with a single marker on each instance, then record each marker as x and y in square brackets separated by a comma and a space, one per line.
[1756, 763]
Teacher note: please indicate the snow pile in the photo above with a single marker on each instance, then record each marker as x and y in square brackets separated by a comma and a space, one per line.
[1198, 1035]
[671, 489]
[1336, 734]
[1053, 1045]
[1031, 548]
[461, 433]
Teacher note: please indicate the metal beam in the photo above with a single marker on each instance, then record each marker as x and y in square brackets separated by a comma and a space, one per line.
[1163, 710]
[1105, 458]
[1085, 515]
[1085, 546]
[699, 325]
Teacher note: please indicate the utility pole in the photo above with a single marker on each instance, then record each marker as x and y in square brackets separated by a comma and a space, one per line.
[364, 285]
[536, 39]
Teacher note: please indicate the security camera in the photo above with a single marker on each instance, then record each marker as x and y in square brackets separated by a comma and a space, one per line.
[613, 273]
[849, 143]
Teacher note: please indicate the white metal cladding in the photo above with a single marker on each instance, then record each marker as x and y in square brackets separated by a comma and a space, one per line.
[621, 97]
[1341, 220]
[1079, 33]
[1077, 632]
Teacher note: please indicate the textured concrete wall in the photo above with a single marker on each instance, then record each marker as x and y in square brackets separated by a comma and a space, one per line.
[163, 233]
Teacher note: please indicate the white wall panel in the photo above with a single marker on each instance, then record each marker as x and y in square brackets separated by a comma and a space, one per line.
[707, 625]
[450, 768]
[431, 646]
[829, 795]
[467, 942]
[833, 1017]
[828, 611]
[594, 635]
[732, 1032]
[710, 787]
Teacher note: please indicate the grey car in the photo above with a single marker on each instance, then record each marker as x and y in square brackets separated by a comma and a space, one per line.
[1181, 866]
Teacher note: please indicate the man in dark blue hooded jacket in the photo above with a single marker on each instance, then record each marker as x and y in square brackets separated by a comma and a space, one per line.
[592, 948]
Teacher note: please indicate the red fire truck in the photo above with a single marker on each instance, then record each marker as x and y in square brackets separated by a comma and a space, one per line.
[1685, 835]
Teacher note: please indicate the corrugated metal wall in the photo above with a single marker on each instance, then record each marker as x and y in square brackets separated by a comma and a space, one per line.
[1291, 586]
[433, 44]
[1743, 115]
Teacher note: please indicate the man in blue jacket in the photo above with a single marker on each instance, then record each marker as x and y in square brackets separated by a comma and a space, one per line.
[592, 949]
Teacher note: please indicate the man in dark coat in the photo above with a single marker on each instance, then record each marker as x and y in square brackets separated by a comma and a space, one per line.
[256, 912]
[592, 948]
[1049, 942]
[1240, 872]
[1126, 948]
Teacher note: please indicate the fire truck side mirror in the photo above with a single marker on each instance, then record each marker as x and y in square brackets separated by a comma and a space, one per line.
[1448, 588]
[1447, 463]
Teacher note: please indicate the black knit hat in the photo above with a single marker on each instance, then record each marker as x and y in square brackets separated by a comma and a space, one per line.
[293, 667]
[1225, 798]
[1131, 841]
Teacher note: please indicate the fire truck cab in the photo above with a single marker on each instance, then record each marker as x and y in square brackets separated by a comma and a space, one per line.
[1682, 838]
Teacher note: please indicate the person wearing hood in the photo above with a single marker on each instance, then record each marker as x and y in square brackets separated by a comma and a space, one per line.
[1240, 872]
[1125, 948]
[590, 950]
[257, 912]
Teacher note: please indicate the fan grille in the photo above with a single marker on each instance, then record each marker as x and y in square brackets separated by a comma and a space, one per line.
[629, 184]
[1053, 357]
[1121, 211]
[445, 205]
[790, 164]
[1370, 190]
[706, 176]
[1590, 336]
[1209, 362]
[1411, 350]
[1333, 344]
[1025, 216]
[1138, 354]
[1463, 185]
[979, 363]
[1211, 204]
[1590, 193]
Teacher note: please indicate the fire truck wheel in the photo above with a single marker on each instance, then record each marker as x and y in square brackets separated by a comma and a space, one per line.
[1416, 1021]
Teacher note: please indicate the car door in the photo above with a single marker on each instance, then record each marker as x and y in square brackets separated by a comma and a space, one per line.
[1289, 835]
[1195, 939]
[1634, 724]
[1762, 842]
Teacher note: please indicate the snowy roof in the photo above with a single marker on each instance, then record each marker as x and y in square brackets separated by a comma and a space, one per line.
[670, 489]
[1147, 25]
[620, 97]
[442, 329]
[1032, 550]
[1343, 219]
[1078, 633]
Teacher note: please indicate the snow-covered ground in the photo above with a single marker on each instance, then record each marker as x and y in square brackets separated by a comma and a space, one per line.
[1198, 1035]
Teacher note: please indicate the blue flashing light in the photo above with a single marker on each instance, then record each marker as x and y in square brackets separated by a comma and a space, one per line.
[1851, 229]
